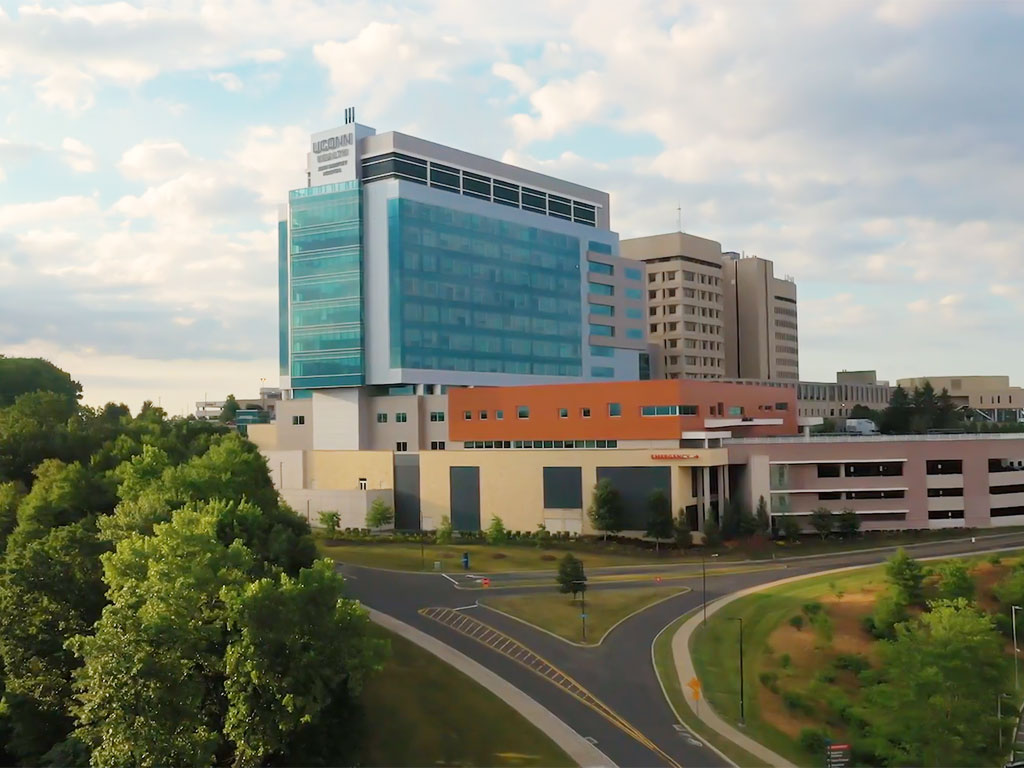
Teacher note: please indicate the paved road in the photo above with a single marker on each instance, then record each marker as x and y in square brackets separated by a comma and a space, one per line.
[618, 673]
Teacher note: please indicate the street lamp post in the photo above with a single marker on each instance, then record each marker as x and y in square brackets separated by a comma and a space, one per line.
[740, 620]
[704, 586]
[1016, 648]
[999, 715]
[583, 605]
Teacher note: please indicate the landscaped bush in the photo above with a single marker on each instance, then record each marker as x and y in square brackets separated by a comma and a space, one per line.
[797, 702]
[784, 661]
[797, 622]
[812, 609]
[826, 676]
[855, 662]
[814, 740]
[890, 610]
[995, 559]
[770, 680]
[822, 627]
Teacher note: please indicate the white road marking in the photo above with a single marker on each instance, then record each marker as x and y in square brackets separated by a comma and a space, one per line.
[466, 607]
[453, 581]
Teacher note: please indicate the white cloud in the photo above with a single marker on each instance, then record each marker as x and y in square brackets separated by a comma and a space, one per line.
[560, 106]
[919, 306]
[79, 156]
[62, 209]
[229, 81]
[68, 89]
[515, 74]
[154, 160]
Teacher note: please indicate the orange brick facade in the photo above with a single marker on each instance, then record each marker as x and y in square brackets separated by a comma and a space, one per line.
[585, 411]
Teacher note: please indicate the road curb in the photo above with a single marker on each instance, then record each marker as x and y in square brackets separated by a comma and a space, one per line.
[579, 749]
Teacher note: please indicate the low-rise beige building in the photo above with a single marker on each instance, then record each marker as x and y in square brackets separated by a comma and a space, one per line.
[990, 397]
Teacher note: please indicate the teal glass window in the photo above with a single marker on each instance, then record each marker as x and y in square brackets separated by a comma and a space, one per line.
[602, 352]
[437, 415]
[499, 415]
[634, 293]
[602, 309]
[324, 286]
[600, 268]
[483, 415]
[602, 372]
[563, 413]
[644, 365]
[735, 410]
[522, 411]
[633, 274]
[401, 418]
[634, 333]
[597, 329]
[585, 413]
[614, 409]
[467, 415]
[634, 313]
[600, 289]
[473, 293]
[382, 418]
[597, 247]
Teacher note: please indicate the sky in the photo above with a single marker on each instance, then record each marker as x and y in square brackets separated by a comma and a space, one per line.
[873, 149]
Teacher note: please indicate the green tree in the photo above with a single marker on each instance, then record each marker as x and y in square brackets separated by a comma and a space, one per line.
[229, 410]
[941, 674]
[890, 610]
[380, 514]
[606, 511]
[10, 497]
[297, 645]
[907, 577]
[946, 415]
[330, 520]
[848, 523]
[681, 531]
[896, 417]
[571, 577]
[444, 531]
[496, 533]
[1010, 589]
[33, 429]
[789, 527]
[731, 514]
[659, 520]
[822, 521]
[761, 515]
[22, 375]
[712, 533]
[955, 581]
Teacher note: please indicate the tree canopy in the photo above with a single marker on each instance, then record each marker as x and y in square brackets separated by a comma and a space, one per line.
[606, 511]
[21, 375]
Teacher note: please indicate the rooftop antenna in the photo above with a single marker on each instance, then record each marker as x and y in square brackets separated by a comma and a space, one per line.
[679, 215]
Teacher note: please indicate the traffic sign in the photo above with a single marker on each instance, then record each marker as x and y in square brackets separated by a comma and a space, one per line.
[694, 685]
[837, 756]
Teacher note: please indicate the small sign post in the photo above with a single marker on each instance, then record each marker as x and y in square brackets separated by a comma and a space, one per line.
[837, 755]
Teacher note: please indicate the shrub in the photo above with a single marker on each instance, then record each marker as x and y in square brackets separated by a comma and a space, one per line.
[770, 680]
[822, 627]
[890, 610]
[496, 533]
[855, 662]
[826, 676]
[784, 661]
[797, 702]
[444, 531]
[995, 559]
[797, 622]
[867, 623]
[813, 740]
[811, 609]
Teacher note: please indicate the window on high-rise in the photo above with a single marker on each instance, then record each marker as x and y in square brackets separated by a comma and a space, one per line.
[522, 411]
[600, 289]
[382, 418]
[563, 413]
[614, 409]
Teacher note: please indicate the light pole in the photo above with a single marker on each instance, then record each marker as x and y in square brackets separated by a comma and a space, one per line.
[999, 715]
[583, 605]
[1016, 649]
[704, 586]
[740, 620]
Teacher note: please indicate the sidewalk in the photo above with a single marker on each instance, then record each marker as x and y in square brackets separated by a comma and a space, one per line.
[579, 749]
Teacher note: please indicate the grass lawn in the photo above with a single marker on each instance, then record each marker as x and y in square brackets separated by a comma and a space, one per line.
[421, 711]
[483, 558]
[556, 613]
[800, 659]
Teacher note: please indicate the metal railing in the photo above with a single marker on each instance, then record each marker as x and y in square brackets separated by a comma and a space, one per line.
[853, 438]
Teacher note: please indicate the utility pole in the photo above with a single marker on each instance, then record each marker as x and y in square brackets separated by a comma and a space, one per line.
[1016, 649]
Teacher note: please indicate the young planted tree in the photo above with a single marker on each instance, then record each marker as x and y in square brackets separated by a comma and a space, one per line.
[659, 520]
[444, 531]
[496, 533]
[712, 533]
[330, 521]
[764, 523]
[571, 577]
[789, 527]
[606, 511]
[681, 531]
[847, 522]
[955, 581]
[380, 514]
[731, 514]
[822, 521]
[907, 577]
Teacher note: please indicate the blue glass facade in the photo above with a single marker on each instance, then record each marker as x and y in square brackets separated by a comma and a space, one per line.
[325, 286]
[282, 296]
[474, 293]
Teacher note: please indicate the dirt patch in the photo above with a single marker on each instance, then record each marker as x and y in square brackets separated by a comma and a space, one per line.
[548, 558]
[847, 621]
[333, 542]
[498, 556]
[986, 576]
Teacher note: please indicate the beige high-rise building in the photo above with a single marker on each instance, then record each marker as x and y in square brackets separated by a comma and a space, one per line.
[685, 310]
[761, 335]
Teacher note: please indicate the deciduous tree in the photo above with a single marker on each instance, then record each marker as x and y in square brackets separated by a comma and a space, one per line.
[906, 575]
[571, 576]
[659, 519]
[822, 521]
[380, 514]
[606, 511]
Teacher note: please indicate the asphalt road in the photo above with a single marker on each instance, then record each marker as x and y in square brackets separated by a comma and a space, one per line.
[618, 672]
